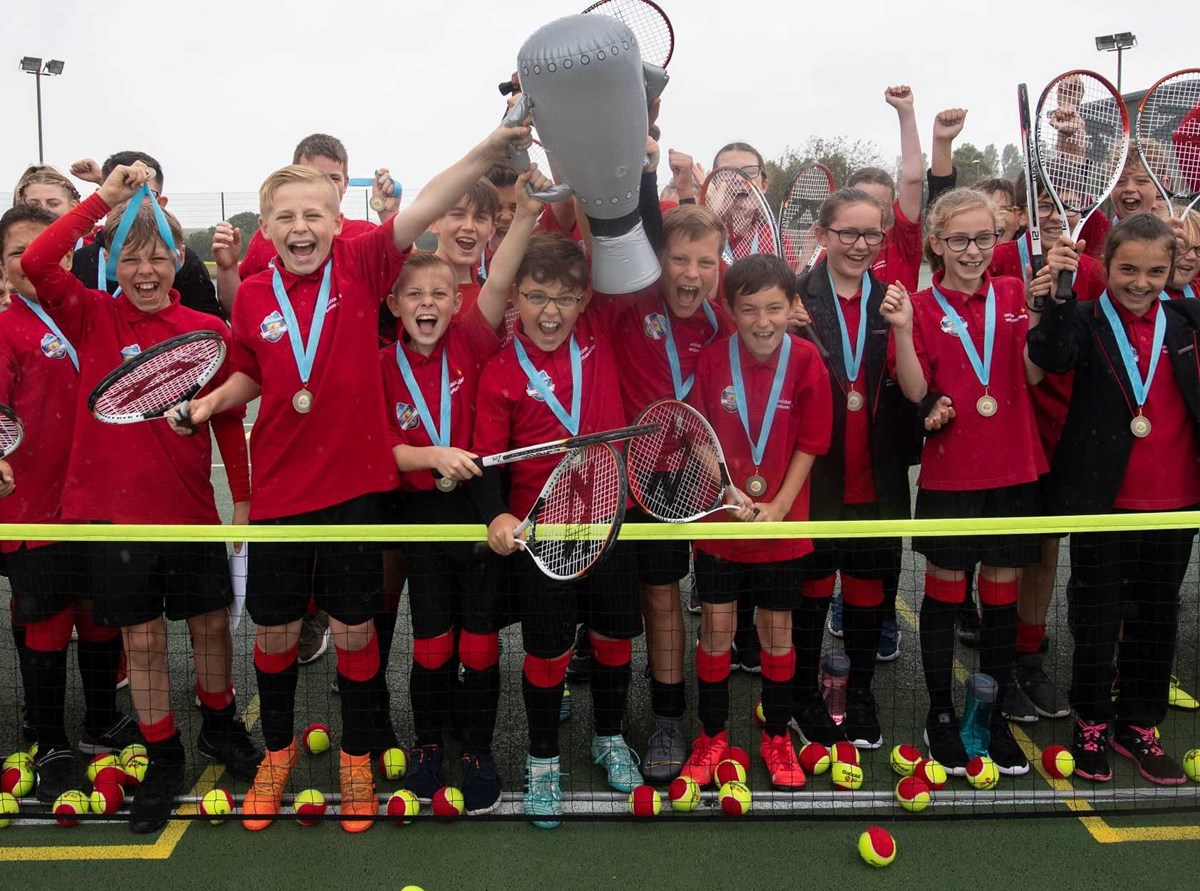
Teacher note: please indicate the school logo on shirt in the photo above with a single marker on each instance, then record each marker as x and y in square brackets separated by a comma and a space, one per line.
[546, 381]
[948, 326]
[53, 347]
[729, 399]
[407, 416]
[128, 352]
[457, 383]
[655, 326]
[272, 328]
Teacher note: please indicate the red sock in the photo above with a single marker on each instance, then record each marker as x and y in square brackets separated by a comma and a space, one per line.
[1029, 637]
[361, 664]
[992, 593]
[274, 663]
[712, 668]
[611, 653]
[546, 673]
[51, 635]
[946, 591]
[216, 701]
[779, 669]
[433, 652]
[159, 731]
[866, 593]
[818, 589]
[478, 652]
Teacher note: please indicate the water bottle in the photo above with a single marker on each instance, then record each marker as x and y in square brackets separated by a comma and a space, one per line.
[976, 727]
[835, 675]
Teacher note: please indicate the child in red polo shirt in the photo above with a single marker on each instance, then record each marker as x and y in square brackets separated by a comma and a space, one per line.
[169, 482]
[1130, 444]
[318, 378]
[464, 232]
[766, 393]
[965, 338]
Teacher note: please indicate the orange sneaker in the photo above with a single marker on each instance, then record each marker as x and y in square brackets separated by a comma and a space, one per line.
[707, 753]
[782, 764]
[265, 798]
[358, 792]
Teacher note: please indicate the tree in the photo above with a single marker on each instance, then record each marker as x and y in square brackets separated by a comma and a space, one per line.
[975, 165]
[838, 153]
[1011, 162]
[200, 241]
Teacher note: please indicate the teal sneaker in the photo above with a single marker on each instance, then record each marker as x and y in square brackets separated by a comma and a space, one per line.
[543, 793]
[619, 761]
[565, 710]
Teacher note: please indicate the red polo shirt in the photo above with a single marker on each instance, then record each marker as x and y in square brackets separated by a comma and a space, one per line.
[860, 475]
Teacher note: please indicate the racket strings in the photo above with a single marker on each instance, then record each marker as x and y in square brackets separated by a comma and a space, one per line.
[648, 24]
[1168, 134]
[162, 381]
[581, 506]
[1082, 139]
[11, 433]
[675, 472]
[743, 210]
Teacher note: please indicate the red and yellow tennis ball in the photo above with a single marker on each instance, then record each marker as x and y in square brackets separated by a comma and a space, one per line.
[760, 717]
[905, 759]
[110, 775]
[931, 773]
[402, 807]
[130, 752]
[982, 772]
[18, 779]
[729, 771]
[644, 801]
[684, 793]
[98, 763]
[68, 806]
[106, 799]
[845, 752]
[447, 802]
[877, 847]
[215, 804]
[1191, 764]
[315, 739]
[309, 805]
[913, 794]
[735, 799]
[815, 759]
[739, 755]
[393, 764]
[135, 771]
[1058, 762]
[8, 806]
[846, 777]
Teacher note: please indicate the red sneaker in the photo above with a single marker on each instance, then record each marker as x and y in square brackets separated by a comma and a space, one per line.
[782, 763]
[707, 753]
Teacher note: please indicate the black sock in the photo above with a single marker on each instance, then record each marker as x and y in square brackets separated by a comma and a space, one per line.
[167, 751]
[808, 632]
[385, 631]
[610, 686]
[277, 704]
[937, 651]
[480, 698]
[46, 691]
[777, 706]
[429, 689]
[746, 637]
[860, 625]
[98, 663]
[712, 705]
[997, 642]
[217, 720]
[667, 700]
[542, 705]
[358, 701]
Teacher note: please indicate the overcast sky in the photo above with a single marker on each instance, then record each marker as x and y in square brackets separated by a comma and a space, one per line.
[221, 91]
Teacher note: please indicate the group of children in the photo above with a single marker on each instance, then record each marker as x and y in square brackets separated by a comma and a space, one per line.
[382, 373]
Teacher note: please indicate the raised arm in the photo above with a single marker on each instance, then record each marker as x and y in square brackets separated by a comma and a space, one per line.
[493, 298]
[947, 125]
[912, 167]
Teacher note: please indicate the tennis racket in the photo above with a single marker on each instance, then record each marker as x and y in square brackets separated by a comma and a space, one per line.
[1168, 138]
[1082, 133]
[743, 208]
[649, 24]
[12, 431]
[1029, 150]
[798, 215]
[576, 517]
[678, 473]
[146, 386]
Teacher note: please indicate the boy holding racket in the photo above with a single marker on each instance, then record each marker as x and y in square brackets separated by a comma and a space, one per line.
[136, 584]
[305, 339]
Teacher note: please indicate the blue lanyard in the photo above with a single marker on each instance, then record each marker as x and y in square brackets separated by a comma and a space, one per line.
[305, 354]
[37, 310]
[851, 359]
[1140, 387]
[440, 435]
[127, 218]
[1026, 261]
[757, 449]
[983, 370]
[682, 387]
[570, 421]
[1188, 294]
[483, 265]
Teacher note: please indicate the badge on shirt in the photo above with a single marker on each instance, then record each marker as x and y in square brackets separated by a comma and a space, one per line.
[272, 328]
[407, 416]
[128, 352]
[729, 399]
[533, 393]
[948, 326]
[655, 326]
[53, 347]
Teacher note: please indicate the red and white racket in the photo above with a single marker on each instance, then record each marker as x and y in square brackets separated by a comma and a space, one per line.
[12, 431]
[743, 208]
[649, 24]
[1168, 138]
[147, 385]
[808, 190]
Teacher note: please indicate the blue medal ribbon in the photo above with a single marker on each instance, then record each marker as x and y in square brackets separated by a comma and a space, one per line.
[37, 310]
[1188, 294]
[682, 387]
[757, 449]
[439, 435]
[127, 218]
[1026, 260]
[852, 359]
[305, 354]
[1140, 386]
[570, 421]
[983, 370]
[483, 266]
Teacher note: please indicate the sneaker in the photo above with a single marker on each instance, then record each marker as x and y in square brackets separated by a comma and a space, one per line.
[666, 750]
[862, 720]
[481, 786]
[359, 803]
[1140, 746]
[121, 733]
[314, 638]
[620, 762]
[693, 603]
[233, 747]
[122, 671]
[1016, 705]
[425, 775]
[707, 753]
[566, 708]
[1177, 697]
[746, 655]
[889, 641]
[155, 797]
[57, 771]
[834, 622]
[968, 624]
[811, 721]
[265, 798]
[944, 742]
[543, 791]
[782, 764]
[580, 666]
[1046, 698]
[1090, 750]
[1009, 757]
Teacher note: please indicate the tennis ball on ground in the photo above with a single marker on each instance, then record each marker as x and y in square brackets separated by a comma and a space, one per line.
[412, 888]
[982, 772]
[905, 758]
[69, 805]
[1058, 762]
[815, 759]
[684, 793]
[402, 807]
[447, 802]
[759, 717]
[135, 771]
[18, 779]
[845, 752]
[309, 803]
[846, 777]
[98, 763]
[315, 739]
[215, 804]
[130, 752]
[877, 847]
[106, 799]
[729, 771]
[932, 773]
[644, 801]
[393, 763]
[740, 756]
[8, 805]
[913, 794]
[1191, 764]
[735, 798]
[18, 758]
[110, 775]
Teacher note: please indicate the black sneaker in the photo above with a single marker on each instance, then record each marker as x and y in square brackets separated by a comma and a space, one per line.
[1015, 705]
[121, 733]
[1046, 698]
[233, 747]
[481, 784]
[968, 624]
[1003, 749]
[747, 655]
[579, 669]
[1090, 749]
[57, 771]
[1139, 745]
[155, 797]
[811, 721]
[425, 774]
[862, 720]
[944, 742]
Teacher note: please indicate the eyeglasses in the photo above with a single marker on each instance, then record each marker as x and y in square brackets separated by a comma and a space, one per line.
[959, 243]
[752, 171]
[540, 299]
[849, 236]
[1194, 249]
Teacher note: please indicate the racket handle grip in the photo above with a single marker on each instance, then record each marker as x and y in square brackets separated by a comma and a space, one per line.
[1038, 301]
[479, 462]
[1065, 284]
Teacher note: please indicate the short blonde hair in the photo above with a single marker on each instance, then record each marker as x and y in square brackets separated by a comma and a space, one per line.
[946, 208]
[290, 175]
[693, 222]
[1191, 227]
[422, 260]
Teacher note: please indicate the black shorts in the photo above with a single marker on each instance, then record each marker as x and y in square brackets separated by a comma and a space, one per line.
[136, 582]
[877, 559]
[47, 580]
[659, 562]
[344, 577]
[962, 553]
[607, 600]
[771, 585]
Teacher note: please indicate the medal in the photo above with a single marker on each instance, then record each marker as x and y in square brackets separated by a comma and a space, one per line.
[1140, 425]
[852, 358]
[304, 353]
[986, 404]
[756, 486]
[682, 387]
[445, 484]
[302, 401]
[570, 421]
[439, 435]
[854, 400]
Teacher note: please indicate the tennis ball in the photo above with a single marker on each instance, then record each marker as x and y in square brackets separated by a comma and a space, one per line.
[913, 794]
[98, 763]
[846, 777]
[735, 799]
[412, 888]
[215, 804]
[18, 779]
[309, 803]
[135, 771]
[932, 773]
[447, 802]
[402, 806]
[18, 758]
[33, 750]
[1058, 762]
[69, 805]
[315, 739]
[905, 758]
[982, 772]
[644, 801]
[8, 805]
[729, 771]
[110, 775]
[1191, 764]
[740, 756]
[684, 793]
[845, 752]
[759, 717]
[877, 847]
[393, 763]
[106, 799]
[815, 759]
[130, 751]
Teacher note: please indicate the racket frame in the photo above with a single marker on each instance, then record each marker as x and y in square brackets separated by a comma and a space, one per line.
[558, 446]
[655, 11]
[759, 198]
[1029, 151]
[10, 422]
[816, 253]
[1191, 198]
[135, 362]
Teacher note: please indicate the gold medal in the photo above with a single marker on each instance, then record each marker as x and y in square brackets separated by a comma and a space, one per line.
[756, 486]
[987, 405]
[302, 401]
[445, 484]
[854, 400]
[1140, 426]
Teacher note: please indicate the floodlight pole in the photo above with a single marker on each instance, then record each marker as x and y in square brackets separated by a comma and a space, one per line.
[37, 76]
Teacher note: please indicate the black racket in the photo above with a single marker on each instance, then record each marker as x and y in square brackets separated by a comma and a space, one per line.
[147, 385]
[798, 215]
[12, 431]
[1168, 138]
[1029, 150]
